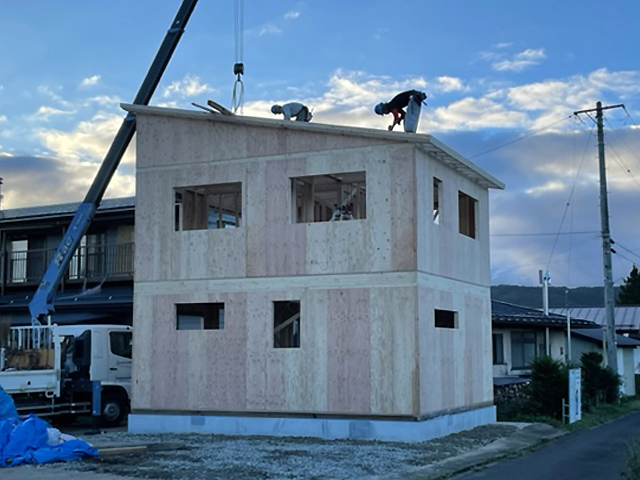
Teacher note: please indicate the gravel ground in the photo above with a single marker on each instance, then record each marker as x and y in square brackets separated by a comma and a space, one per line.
[218, 457]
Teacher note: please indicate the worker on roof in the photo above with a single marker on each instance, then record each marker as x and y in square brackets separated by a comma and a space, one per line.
[412, 100]
[293, 109]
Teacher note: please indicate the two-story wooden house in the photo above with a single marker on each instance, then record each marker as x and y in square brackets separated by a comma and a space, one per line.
[308, 279]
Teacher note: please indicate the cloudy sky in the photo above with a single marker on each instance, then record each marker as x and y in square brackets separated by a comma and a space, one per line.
[503, 79]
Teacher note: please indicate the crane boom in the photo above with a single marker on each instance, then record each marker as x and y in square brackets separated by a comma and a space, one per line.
[42, 303]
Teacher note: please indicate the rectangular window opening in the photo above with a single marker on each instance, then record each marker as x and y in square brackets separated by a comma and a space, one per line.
[208, 207]
[498, 349]
[446, 319]
[467, 211]
[286, 324]
[437, 199]
[200, 316]
[329, 198]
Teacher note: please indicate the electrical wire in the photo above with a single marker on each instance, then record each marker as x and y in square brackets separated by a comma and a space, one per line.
[618, 245]
[573, 188]
[520, 138]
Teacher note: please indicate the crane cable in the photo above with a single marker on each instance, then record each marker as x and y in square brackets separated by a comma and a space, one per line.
[237, 99]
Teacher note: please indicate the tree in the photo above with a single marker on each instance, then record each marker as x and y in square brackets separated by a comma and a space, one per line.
[630, 292]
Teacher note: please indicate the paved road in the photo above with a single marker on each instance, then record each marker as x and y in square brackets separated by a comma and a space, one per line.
[598, 454]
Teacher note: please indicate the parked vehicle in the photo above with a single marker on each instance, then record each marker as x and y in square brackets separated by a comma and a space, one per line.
[52, 370]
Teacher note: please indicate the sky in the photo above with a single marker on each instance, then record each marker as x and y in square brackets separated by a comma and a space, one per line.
[503, 79]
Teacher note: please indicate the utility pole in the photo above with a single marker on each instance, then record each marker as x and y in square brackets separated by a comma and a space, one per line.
[609, 301]
[545, 279]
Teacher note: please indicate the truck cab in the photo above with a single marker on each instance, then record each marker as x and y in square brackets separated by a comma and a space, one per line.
[99, 353]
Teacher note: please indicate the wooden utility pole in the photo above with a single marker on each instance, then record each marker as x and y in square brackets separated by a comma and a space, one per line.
[609, 300]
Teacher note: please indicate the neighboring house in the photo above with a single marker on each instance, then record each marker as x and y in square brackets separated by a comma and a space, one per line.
[627, 320]
[520, 334]
[304, 279]
[30, 236]
[591, 340]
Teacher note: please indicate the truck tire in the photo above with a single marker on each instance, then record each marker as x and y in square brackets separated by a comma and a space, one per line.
[114, 408]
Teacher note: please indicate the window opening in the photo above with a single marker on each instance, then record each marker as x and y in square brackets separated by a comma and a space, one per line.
[467, 214]
[498, 349]
[329, 198]
[286, 324]
[446, 319]
[437, 196]
[200, 316]
[208, 207]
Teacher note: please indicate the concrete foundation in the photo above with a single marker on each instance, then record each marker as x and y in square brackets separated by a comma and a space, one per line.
[328, 428]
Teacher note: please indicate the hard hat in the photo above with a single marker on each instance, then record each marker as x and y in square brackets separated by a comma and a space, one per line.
[275, 109]
[379, 109]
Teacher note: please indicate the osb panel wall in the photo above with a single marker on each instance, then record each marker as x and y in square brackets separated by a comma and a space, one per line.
[455, 364]
[268, 243]
[441, 248]
[357, 354]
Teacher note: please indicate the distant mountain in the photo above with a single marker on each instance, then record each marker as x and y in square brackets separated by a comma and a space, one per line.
[532, 296]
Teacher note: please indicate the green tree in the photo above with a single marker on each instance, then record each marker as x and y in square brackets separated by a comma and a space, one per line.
[630, 292]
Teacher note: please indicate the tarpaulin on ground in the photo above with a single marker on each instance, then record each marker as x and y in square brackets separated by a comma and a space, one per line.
[7, 407]
[32, 440]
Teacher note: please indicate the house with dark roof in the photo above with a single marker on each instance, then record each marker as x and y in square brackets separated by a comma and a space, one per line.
[520, 334]
[98, 285]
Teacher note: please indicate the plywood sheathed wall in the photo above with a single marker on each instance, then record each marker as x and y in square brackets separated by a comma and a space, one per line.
[367, 288]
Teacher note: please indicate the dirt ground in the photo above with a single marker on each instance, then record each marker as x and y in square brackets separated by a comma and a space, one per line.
[217, 457]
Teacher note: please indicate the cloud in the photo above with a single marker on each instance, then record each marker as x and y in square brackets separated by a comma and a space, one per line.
[520, 61]
[90, 81]
[189, 86]
[51, 92]
[269, 29]
[59, 181]
[3, 118]
[44, 113]
[449, 84]
[550, 186]
[89, 141]
[292, 14]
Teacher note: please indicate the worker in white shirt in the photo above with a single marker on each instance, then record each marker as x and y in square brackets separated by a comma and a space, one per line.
[293, 109]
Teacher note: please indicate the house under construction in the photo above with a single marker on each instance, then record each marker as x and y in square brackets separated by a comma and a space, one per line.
[308, 279]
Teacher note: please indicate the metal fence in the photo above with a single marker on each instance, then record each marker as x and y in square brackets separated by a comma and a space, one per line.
[90, 262]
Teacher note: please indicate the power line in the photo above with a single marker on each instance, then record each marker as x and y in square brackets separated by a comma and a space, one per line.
[626, 249]
[519, 138]
[573, 188]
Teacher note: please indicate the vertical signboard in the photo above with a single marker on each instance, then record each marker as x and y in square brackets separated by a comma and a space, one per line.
[575, 398]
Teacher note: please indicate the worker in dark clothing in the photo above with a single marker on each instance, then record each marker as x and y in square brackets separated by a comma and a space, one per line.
[412, 100]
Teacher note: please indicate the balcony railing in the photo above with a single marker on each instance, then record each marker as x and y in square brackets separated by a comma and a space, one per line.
[90, 262]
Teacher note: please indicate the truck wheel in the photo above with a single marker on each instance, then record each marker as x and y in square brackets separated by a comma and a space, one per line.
[114, 409]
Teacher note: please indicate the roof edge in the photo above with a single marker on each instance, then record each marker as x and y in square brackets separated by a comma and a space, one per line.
[431, 145]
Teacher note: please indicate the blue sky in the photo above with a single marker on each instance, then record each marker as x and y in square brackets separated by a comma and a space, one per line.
[503, 77]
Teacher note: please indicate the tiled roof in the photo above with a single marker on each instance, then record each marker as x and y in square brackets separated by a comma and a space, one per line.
[503, 313]
[626, 317]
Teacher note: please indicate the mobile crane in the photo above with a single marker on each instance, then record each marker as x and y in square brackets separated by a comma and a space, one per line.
[61, 370]
[42, 303]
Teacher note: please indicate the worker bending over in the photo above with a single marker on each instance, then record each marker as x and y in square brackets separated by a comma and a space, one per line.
[293, 109]
[412, 100]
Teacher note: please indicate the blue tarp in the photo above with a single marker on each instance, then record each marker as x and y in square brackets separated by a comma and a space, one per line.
[26, 440]
[7, 407]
